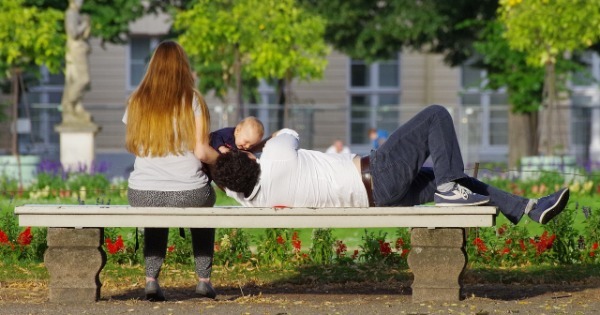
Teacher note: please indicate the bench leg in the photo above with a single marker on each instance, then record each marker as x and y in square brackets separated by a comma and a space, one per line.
[74, 259]
[437, 260]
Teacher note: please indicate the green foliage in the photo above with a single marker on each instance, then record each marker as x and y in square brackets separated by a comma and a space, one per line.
[232, 247]
[591, 231]
[111, 18]
[28, 36]
[544, 30]
[179, 248]
[373, 248]
[275, 248]
[566, 246]
[375, 30]
[78, 186]
[269, 39]
[18, 243]
[508, 68]
[125, 253]
[32, 31]
[321, 251]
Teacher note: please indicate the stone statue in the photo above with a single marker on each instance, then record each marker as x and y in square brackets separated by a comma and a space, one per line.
[77, 74]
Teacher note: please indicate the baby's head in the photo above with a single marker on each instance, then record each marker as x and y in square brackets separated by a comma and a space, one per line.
[248, 132]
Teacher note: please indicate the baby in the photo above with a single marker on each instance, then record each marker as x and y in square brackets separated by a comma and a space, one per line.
[243, 136]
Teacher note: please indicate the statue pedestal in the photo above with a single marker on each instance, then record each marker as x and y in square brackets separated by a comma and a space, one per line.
[77, 145]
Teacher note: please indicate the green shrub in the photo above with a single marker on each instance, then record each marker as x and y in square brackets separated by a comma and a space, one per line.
[232, 246]
[321, 251]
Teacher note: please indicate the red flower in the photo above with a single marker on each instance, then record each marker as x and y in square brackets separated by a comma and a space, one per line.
[593, 250]
[522, 244]
[296, 242]
[505, 251]
[405, 252]
[217, 246]
[280, 240]
[115, 247]
[355, 254]
[340, 248]
[501, 230]
[119, 243]
[4, 238]
[399, 243]
[544, 243]
[480, 244]
[384, 248]
[171, 248]
[25, 237]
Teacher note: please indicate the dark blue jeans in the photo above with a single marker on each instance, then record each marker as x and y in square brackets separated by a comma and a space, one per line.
[399, 178]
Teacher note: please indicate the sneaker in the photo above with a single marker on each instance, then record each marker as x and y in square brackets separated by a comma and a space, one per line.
[206, 290]
[153, 292]
[459, 196]
[548, 207]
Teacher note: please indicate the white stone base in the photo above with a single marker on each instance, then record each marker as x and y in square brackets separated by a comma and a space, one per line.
[77, 148]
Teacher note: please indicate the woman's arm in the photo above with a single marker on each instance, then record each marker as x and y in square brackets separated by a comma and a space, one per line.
[202, 150]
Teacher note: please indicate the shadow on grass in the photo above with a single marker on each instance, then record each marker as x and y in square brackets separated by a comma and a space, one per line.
[318, 282]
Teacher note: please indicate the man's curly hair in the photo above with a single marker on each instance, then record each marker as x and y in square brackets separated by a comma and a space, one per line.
[237, 172]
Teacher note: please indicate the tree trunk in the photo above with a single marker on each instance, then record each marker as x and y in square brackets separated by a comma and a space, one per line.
[521, 137]
[237, 69]
[281, 101]
[553, 136]
[16, 90]
[288, 100]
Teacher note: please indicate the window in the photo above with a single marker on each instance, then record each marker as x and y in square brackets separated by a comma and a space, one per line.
[585, 111]
[374, 95]
[140, 51]
[39, 109]
[487, 115]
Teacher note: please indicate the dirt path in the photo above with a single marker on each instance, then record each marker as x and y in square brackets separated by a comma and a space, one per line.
[358, 298]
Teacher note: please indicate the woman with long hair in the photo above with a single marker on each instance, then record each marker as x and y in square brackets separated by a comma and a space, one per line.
[167, 130]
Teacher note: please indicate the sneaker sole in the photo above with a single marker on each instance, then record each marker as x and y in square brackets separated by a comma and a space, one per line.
[557, 208]
[457, 204]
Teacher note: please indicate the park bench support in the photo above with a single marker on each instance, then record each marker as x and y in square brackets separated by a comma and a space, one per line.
[437, 260]
[75, 256]
[74, 259]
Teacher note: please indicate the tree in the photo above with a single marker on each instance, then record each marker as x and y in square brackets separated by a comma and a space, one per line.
[508, 68]
[32, 34]
[377, 30]
[28, 38]
[110, 18]
[544, 31]
[290, 45]
[231, 41]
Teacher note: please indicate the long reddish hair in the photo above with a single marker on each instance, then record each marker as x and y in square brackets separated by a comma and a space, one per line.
[160, 118]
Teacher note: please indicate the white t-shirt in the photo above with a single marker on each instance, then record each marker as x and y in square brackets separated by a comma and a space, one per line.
[296, 177]
[168, 173]
[333, 149]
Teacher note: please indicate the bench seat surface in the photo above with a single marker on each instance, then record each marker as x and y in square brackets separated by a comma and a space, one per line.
[84, 216]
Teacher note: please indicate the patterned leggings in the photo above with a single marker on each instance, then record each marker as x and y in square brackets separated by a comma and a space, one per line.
[155, 239]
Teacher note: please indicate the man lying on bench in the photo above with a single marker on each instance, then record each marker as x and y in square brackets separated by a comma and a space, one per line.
[392, 175]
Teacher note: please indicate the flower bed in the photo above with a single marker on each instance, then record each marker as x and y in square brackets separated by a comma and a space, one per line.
[572, 238]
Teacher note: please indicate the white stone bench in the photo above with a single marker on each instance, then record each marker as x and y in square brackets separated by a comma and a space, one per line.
[75, 256]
